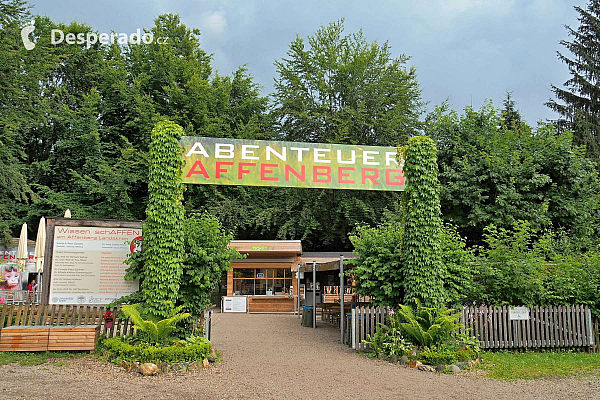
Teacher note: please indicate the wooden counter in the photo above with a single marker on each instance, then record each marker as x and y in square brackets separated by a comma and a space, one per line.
[270, 304]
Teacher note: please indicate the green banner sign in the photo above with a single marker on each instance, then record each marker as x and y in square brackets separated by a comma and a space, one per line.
[291, 164]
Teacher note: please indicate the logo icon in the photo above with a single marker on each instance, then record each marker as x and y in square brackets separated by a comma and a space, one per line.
[29, 45]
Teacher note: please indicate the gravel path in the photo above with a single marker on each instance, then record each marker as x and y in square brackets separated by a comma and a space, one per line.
[270, 356]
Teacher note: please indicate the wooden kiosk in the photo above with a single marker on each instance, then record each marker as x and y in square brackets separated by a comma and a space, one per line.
[265, 276]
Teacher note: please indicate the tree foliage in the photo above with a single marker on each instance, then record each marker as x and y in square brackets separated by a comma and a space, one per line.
[519, 266]
[207, 257]
[494, 174]
[343, 89]
[378, 270]
[578, 103]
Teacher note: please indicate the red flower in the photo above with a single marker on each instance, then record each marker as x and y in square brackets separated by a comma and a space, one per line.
[108, 316]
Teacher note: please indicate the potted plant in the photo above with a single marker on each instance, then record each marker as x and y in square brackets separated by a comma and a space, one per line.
[108, 319]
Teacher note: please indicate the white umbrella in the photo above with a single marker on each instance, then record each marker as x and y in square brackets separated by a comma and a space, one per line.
[68, 213]
[40, 245]
[22, 249]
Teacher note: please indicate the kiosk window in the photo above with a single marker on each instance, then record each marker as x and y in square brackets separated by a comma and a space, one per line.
[251, 281]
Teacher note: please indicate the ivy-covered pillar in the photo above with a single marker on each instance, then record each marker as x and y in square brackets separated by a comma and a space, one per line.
[163, 227]
[423, 269]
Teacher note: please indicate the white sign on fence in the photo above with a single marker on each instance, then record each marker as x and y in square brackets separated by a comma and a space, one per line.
[519, 313]
[234, 304]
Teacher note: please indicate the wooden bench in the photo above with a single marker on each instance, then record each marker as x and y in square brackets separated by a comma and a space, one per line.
[49, 338]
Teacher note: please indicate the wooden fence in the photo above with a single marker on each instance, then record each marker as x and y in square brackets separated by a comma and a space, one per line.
[547, 327]
[363, 323]
[57, 315]
[596, 328]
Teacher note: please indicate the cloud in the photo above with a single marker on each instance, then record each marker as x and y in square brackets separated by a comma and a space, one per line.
[213, 23]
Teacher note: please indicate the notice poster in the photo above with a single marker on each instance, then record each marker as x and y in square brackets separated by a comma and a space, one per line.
[234, 304]
[88, 264]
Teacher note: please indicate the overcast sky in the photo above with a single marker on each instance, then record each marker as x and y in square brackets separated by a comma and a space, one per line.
[464, 50]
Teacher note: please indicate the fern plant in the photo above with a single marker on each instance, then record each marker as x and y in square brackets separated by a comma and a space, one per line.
[427, 326]
[156, 331]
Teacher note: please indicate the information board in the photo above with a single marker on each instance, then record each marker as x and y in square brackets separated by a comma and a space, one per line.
[88, 264]
[234, 304]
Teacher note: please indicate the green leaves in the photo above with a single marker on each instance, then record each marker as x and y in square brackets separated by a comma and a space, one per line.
[378, 271]
[160, 266]
[423, 269]
[427, 326]
[342, 89]
[156, 331]
[207, 257]
[577, 103]
[498, 172]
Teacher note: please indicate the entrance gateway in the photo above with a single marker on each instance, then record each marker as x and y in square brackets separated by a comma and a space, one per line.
[265, 277]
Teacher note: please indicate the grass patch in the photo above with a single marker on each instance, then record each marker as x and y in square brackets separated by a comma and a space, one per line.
[506, 365]
[34, 358]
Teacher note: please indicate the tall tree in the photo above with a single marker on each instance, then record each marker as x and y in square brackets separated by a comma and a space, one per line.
[14, 188]
[343, 89]
[578, 103]
[511, 117]
[336, 88]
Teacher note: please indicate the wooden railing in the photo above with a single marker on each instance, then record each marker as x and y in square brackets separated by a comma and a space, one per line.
[547, 327]
[596, 329]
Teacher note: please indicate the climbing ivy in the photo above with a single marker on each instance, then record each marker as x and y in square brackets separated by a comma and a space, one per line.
[160, 266]
[423, 268]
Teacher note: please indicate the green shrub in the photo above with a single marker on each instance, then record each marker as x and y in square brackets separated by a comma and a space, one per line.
[388, 340]
[119, 350]
[159, 331]
[467, 354]
[193, 340]
[427, 326]
[436, 355]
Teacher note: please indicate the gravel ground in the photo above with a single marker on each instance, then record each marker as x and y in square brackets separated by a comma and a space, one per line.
[270, 356]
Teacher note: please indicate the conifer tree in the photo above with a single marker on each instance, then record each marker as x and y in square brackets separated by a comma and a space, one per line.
[578, 103]
[511, 117]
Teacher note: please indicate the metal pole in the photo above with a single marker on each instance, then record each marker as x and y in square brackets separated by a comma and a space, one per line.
[298, 291]
[342, 314]
[314, 294]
